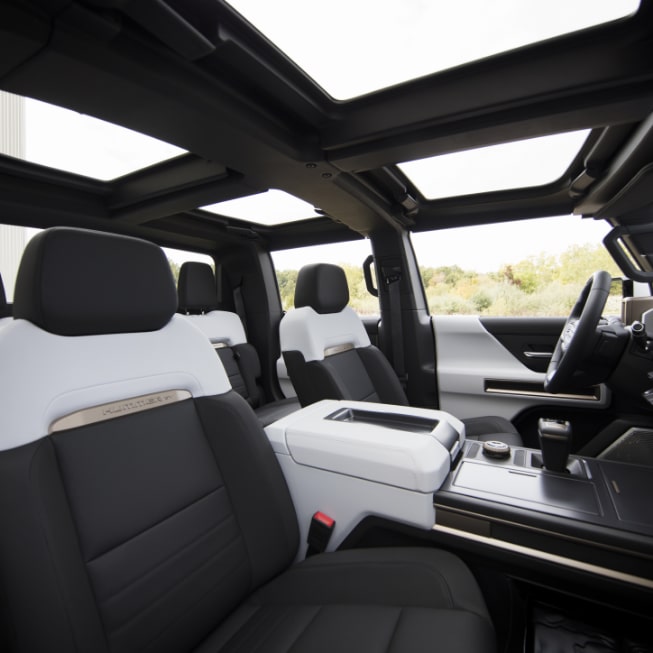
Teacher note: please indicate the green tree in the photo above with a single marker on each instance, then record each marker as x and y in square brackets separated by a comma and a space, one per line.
[175, 270]
[287, 280]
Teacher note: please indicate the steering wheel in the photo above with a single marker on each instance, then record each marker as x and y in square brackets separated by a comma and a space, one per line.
[577, 338]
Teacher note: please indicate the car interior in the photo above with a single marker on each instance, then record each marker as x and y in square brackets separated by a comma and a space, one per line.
[196, 455]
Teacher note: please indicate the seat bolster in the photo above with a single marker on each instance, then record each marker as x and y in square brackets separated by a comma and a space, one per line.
[385, 380]
[312, 380]
[511, 439]
[275, 410]
[257, 488]
[492, 427]
[41, 566]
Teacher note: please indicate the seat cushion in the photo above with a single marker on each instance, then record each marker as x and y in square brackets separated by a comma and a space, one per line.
[275, 410]
[380, 600]
[492, 427]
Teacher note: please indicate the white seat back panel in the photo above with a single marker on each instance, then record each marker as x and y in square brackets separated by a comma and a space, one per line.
[45, 377]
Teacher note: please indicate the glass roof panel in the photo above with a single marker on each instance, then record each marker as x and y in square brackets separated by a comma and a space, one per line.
[269, 208]
[73, 142]
[519, 164]
[352, 48]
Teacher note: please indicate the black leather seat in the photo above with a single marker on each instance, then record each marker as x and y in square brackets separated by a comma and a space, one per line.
[328, 353]
[141, 504]
[198, 299]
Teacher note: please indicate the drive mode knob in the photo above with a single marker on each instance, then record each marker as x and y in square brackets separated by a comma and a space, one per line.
[496, 449]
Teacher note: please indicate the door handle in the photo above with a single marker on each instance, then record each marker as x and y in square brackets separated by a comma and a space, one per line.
[538, 354]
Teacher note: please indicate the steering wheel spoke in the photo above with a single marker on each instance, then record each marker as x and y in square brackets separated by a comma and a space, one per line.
[578, 336]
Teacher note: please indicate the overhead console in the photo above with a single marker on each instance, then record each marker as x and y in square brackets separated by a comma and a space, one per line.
[351, 459]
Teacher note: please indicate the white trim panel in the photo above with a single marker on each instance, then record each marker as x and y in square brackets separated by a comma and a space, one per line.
[220, 326]
[468, 355]
[351, 470]
[311, 333]
[45, 376]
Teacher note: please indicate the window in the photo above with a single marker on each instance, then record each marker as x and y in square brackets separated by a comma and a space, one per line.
[411, 38]
[66, 140]
[270, 208]
[349, 255]
[526, 268]
[518, 164]
[13, 241]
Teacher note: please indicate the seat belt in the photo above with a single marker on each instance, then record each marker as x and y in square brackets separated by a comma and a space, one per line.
[240, 306]
[392, 279]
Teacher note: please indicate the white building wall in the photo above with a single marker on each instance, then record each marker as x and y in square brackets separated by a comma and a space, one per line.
[12, 142]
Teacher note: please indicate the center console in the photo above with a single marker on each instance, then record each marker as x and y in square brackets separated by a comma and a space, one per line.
[351, 460]
[413, 467]
[594, 516]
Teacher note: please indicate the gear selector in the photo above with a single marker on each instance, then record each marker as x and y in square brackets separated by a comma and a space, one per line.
[555, 442]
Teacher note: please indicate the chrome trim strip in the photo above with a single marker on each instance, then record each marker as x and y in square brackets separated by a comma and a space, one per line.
[538, 354]
[612, 574]
[219, 345]
[114, 409]
[536, 393]
[337, 349]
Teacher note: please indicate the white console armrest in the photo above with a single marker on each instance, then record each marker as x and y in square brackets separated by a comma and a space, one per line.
[353, 459]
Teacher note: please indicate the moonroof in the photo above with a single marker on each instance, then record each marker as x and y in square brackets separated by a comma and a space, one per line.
[73, 142]
[354, 47]
[270, 208]
[519, 164]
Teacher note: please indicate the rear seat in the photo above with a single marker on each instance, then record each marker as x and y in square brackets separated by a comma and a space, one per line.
[198, 301]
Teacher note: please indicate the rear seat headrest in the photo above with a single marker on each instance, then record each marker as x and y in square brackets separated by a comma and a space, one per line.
[5, 310]
[197, 290]
[74, 282]
[323, 287]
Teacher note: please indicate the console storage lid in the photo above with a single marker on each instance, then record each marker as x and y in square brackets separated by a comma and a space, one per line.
[405, 447]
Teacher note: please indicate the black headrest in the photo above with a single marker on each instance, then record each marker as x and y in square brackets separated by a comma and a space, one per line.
[323, 287]
[5, 310]
[75, 282]
[196, 288]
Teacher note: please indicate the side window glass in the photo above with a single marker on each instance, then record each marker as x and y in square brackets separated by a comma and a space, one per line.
[526, 268]
[13, 241]
[349, 256]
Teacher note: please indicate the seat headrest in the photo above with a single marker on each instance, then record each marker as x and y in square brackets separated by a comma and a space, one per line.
[75, 282]
[323, 287]
[196, 288]
[5, 310]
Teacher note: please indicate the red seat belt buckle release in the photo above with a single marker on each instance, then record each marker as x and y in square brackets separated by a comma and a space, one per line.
[319, 533]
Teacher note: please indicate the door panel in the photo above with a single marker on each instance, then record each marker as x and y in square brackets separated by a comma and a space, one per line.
[480, 373]
[530, 340]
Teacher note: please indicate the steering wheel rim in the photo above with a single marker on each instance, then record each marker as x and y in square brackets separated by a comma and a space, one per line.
[575, 341]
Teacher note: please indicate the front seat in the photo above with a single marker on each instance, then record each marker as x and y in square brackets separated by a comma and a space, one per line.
[141, 505]
[328, 353]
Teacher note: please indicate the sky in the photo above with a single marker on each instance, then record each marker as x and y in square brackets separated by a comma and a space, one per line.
[383, 42]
